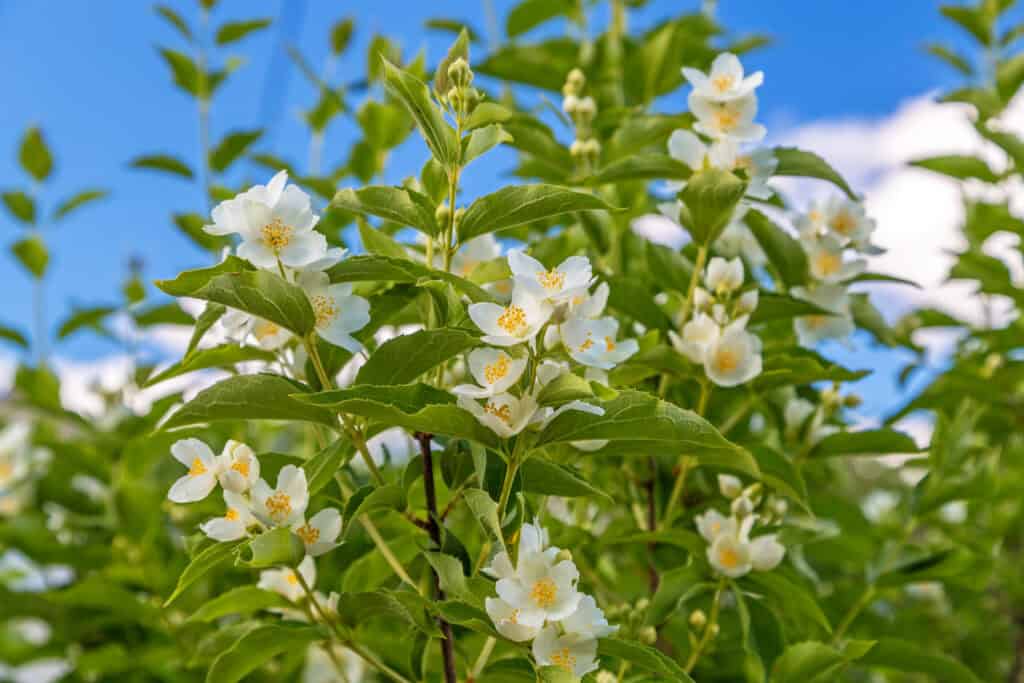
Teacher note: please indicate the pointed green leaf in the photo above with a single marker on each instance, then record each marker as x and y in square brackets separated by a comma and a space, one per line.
[398, 204]
[406, 357]
[233, 31]
[520, 204]
[78, 200]
[35, 156]
[204, 561]
[411, 92]
[803, 164]
[163, 162]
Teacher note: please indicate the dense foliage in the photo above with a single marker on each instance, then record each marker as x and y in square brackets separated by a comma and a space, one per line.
[423, 436]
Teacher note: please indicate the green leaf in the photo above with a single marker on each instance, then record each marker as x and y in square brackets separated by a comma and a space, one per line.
[223, 356]
[321, 467]
[341, 35]
[13, 335]
[241, 600]
[520, 204]
[459, 49]
[207, 319]
[482, 140]
[233, 31]
[416, 407]
[974, 20]
[901, 655]
[803, 164]
[163, 162]
[669, 268]
[779, 472]
[531, 13]
[385, 269]
[784, 252]
[643, 657]
[449, 573]
[233, 283]
[485, 509]
[175, 20]
[398, 204]
[411, 92]
[191, 225]
[867, 442]
[958, 166]
[84, 318]
[259, 646]
[641, 167]
[231, 147]
[957, 61]
[709, 201]
[207, 559]
[789, 599]
[771, 306]
[21, 206]
[554, 674]
[567, 387]
[487, 113]
[370, 498]
[796, 366]
[78, 200]
[643, 420]
[184, 71]
[275, 548]
[250, 397]
[34, 155]
[1009, 76]
[379, 243]
[539, 475]
[813, 662]
[404, 358]
[32, 253]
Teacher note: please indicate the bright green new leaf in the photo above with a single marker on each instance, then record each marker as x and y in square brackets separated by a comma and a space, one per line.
[233, 31]
[411, 92]
[32, 253]
[35, 156]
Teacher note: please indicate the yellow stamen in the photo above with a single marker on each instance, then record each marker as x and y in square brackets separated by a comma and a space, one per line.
[609, 344]
[828, 263]
[241, 466]
[816, 321]
[292, 579]
[503, 413]
[496, 370]
[277, 235]
[728, 558]
[197, 468]
[308, 534]
[723, 83]
[6, 470]
[564, 660]
[279, 505]
[513, 320]
[325, 309]
[726, 360]
[551, 279]
[843, 223]
[726, 120]
[231, 515]
[544, 593]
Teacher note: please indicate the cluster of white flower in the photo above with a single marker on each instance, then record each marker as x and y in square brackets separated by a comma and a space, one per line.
[731, 550]
[19, 462]
[833, 233]
[251, 503]
[538, 600]
[557, 305]
[276, 225]
[716, 334]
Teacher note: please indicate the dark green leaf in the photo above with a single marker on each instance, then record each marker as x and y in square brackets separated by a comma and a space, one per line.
[78, 200]
[800, 163]
[234, 31]
[520, 204]
[398, 204]
[403, 359]
[34, 155]
[163, 162]
[232, 147]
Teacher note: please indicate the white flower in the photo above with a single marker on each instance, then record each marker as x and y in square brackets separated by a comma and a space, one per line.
[593, 342]
[320, 532]
[766, 553]
[494, 370]
[539, 583]
[275, 222]
[588, 620]
[828, 264]
[235, 522]
[15, 454]
[392, 446]
[320, 666]
[698, 336]
[759, 166]
[269, 336]
[849, 222]
[570, 652]
[725, 80]
[729, 119]
[203, 469]
[734, 357]
[239, 469]
[811, 329]
[557, 285]
[730, 555]
[285, 581]
[730, 486]
[338, 312]
[722, 276]
[504, 414]
[284, 505]
[738, 240]
[514, 623]
[516, 323]
[712, 524]
[475, 252]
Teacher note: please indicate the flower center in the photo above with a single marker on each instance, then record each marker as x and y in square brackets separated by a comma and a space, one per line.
[277, 235]
[308, 534]
[609, 344]
[728, 558]
[197, 468]
[726, 360]
[551, 279]
[544, 593]
[279, 505]
[231, 515]
[241, 466]
[726, 120]
[503, 413]
[745, 162]
[828, 263]
[564, 660]
[291, 579]
[6, 470]
[723, 83]
[513, 320]
[325, 309]
[816, 321]
[496, 370]
[514, 617]
[843, 223]
[586, 345]
[265, 329]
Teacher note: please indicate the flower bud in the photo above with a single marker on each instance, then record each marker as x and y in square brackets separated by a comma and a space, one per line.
[592, 148]
[742, 507]
[564, 555]
[779, 507]
[575, 81]
[606, 677]
[698, 619]
[443, 214]
[473, 98]
[454, 96]
[569, 104]
[852, 401]
[715, 629]
[729, 485]
[992, 363]
[586, 109]
[460, 73]
[577, 149]
[648, 635]
[642, 604]
[459, 213]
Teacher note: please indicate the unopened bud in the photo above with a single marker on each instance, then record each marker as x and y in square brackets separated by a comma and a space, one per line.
[779, 507]
[648, 635]
[642, 604]
[992, 363]
[574, 82]
[454, 96]
[460, 73]
[606, 677]
[592, 148]
[577, 149]
[742, 507]
[586, 108]
[443, 214]
[698, 619]
[459, 213]
[830, 397]
[715, 629]
[852, 401]
[473, 97]
[569, 104]
[564, 555]
[729, 485]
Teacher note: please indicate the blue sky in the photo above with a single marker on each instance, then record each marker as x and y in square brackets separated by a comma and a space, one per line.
[90, 76]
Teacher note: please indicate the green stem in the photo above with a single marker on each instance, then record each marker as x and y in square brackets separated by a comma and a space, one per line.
[481, 660]
[851, 614]
[698, 268]
[709, 629]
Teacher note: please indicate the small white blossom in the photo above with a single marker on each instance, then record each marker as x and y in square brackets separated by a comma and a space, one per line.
[339, 313]
[285, 582]
[811, 329]
[284, 505]
[726, 79]
[712, 523]
[588, 620]
[728, 119]
[235, 522]
[724, 276]
[495, 372]
[203, 469]
[733, 358]
[828, 263]
[320, 532]
[558, 285]
[593, 342]
[730, 486]
[239, 468]
[514, 623]
[504, 414]
[518, 322]
[697, 337]
[570, 652]
[242, 326]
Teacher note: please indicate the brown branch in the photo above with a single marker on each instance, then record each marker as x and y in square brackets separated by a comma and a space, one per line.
[447, 640]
